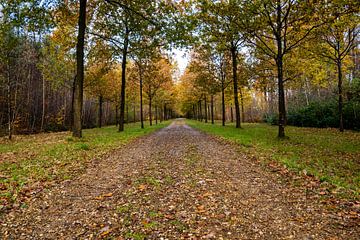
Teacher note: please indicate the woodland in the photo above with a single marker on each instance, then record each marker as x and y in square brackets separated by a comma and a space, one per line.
[66, 65]
[104, 134]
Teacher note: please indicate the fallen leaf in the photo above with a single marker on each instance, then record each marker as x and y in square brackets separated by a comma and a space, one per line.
[142, 187]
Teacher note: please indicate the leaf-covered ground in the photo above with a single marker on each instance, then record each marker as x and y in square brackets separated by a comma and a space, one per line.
[331, 157]
[31, 163]
[179, 183]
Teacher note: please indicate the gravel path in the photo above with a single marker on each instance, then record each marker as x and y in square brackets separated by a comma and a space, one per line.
[177, 183]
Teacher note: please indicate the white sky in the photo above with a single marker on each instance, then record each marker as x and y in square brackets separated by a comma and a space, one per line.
[181, 57]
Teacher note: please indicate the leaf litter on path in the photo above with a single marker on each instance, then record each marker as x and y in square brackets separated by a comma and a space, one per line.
[179, 183]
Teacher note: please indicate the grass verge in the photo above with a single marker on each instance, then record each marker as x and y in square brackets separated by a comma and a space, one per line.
[32, 162]
[327, 154]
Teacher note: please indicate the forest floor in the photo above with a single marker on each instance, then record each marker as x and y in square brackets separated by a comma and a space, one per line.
[180, 183]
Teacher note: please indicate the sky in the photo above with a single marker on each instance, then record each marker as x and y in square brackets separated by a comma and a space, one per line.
[181, 56]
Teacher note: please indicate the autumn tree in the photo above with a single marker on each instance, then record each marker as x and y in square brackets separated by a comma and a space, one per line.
[338, 39]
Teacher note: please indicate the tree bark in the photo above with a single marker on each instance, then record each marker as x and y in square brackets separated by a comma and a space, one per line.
[341, 121]
[282, 111]
[123, 79]
[100, 111]
[235, 82]
[78, 96]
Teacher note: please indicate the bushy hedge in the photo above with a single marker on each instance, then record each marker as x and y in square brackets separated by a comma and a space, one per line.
[322, 114]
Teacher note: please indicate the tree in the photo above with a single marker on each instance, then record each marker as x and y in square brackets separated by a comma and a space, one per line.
[220, 22]
[79, 80]
[339, 38]
[157, 75]
[276, 29]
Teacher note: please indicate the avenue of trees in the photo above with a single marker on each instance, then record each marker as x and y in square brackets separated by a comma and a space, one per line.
[290, 62]
[78, 64]
[81, 64]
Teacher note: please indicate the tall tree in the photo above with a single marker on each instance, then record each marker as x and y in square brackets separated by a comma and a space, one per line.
[339, 38]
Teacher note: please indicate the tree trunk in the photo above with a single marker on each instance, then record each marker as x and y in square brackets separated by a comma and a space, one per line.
[223, 104]
[282, 111]
[9, 103]
[165, 117]
[43, 105]
[150, 110]
[123, 79]
[200, 111]
[206, 108]
[141, 101]
[341, 123]
[156, 114]
[242, 105]
[100, 111]
[78, 96]
[212, 109]
[236, 98]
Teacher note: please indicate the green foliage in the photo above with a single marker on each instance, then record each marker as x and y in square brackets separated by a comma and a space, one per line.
[307, 149]
[324, 114]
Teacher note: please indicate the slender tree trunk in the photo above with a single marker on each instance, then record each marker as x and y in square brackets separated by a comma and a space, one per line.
[100, 112]
[141, 100]
[165, 117]
[206, 108]
[9, 103]
[156, 114]
[212, 109]
[341, 123]
[223, 116]
[231, 114]
[150, 110]
[43, 104]
[282, 111]
[209, 112]
[194, 112]
[242, 104]
[235, 82]
[200, 110]
[123, 79]
[78, 96]
[160, 114]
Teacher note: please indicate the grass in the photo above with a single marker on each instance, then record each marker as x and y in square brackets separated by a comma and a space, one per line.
[327, 154]
[41, 159]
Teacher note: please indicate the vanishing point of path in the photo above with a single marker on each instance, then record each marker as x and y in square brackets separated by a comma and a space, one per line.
[177, 183]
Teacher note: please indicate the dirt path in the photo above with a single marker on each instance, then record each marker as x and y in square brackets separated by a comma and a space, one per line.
[177, 183]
